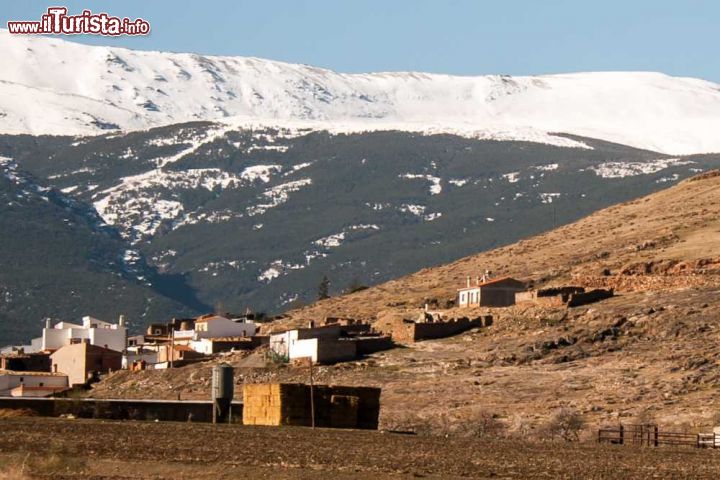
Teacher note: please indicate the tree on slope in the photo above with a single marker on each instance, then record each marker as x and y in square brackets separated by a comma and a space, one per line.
[324, 288]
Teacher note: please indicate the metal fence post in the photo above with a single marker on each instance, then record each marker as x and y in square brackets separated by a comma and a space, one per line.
[657, 436]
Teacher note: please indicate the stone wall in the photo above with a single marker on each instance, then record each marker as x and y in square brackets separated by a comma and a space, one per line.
[368, 345]
[408, 331]
[149, 410]
[533, 298]
[335, 350]
[589, 297]
[558, 297]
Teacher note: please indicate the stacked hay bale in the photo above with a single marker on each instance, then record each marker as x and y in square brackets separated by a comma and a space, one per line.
[290, 404]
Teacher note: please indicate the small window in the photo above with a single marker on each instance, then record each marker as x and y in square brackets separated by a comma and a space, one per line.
[22, 379]
[42, 384]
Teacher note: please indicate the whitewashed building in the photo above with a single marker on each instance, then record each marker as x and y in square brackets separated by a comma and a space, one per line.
[217, 326]
[140, 353]
[31, 384]
[92, 330]
[490, 293]
[321, 344]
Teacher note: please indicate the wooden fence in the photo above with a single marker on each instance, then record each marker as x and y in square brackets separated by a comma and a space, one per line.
[650, 435]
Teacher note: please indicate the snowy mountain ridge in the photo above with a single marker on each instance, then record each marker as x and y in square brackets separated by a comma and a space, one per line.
[51, 86]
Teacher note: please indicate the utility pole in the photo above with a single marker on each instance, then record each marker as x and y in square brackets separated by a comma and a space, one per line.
[172, 344]
[312, 394]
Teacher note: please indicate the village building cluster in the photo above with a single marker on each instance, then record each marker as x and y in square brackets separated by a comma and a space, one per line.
[67, 354]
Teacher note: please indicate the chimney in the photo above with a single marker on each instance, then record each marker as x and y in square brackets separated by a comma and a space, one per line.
[468, 281]
[477, 279]
[48, 323]
[311, 324]
[121, 320]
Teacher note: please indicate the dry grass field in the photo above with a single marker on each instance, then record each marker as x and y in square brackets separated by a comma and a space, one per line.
[68, 449]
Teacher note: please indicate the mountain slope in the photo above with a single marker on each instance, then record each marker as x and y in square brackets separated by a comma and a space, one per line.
[255, 218]
[93, 89]
[665, 241]
[59, 260]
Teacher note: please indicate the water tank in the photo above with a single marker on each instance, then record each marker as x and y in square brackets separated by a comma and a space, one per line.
[223, 382]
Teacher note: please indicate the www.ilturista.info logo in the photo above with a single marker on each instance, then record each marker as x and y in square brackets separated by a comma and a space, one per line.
[57, 22]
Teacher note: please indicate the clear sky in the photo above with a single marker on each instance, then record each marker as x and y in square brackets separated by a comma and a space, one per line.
[467, 37]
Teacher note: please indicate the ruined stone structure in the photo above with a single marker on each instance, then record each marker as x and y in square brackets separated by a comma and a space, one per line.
[589, 297]
[290, 404]
[548, 297]
[26, 362]
[409, 331]
[562, 296]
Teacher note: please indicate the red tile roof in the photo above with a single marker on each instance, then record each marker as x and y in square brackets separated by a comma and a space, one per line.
[489, 282]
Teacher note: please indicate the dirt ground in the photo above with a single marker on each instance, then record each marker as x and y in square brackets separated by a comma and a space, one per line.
[64, 449]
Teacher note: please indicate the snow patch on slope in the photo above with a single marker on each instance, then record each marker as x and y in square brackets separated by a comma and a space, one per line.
[631, 169]
[278, 195]
[435, 185]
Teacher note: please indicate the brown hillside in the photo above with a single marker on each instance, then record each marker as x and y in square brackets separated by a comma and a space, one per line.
[663, 241]
[650, 353]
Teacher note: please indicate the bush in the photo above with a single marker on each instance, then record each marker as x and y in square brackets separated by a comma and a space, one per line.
[480, 425]
[566, 424]
[277, 358]
[487, 425]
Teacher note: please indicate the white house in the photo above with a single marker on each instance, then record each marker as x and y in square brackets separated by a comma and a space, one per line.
[92, 330]
[217, 326]
[499, 292]
[322, 344]
[139, 353]
[31, 384]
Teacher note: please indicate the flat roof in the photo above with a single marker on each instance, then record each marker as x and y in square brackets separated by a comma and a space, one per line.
[32, 373]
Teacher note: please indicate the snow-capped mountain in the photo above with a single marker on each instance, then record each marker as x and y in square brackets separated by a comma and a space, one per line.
[183, 182]
[50, 86]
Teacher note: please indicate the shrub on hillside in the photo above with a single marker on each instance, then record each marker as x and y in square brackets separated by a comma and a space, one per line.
[566, 424]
